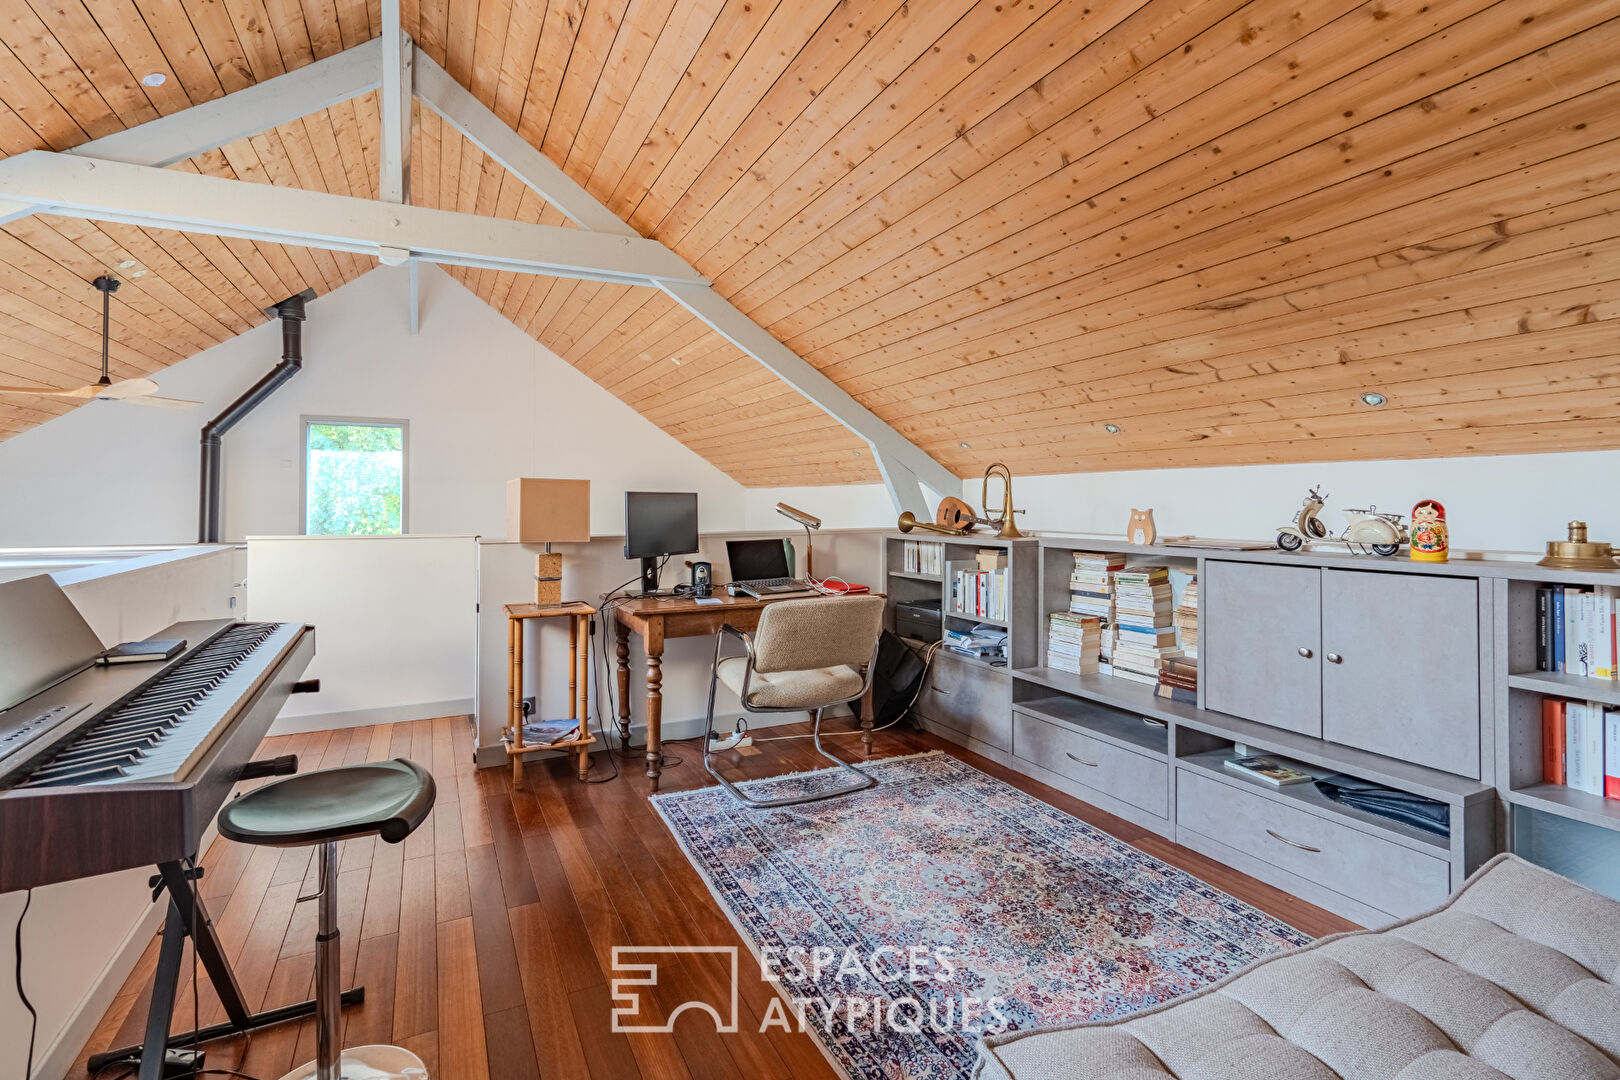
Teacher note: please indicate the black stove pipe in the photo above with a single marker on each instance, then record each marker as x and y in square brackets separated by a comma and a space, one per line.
[291, 313]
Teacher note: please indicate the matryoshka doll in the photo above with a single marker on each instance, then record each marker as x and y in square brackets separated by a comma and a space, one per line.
[1430, 541]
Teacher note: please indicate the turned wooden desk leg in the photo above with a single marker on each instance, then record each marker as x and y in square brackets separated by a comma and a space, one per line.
[867, 717]
[655, 711]
[517, 700]
[582, 709]
[622, 633]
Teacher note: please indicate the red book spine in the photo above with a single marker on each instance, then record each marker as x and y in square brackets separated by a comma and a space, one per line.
[1552, 741]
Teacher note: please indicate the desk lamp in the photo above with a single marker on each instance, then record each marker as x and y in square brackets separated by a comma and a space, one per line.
[548, 512]
[809, 521]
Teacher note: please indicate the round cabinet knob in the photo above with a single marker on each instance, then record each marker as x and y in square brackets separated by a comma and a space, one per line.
[1334, 658]
[1303, 651]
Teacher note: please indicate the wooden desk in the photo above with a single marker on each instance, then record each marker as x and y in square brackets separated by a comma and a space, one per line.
[657, 619]
[578, 615]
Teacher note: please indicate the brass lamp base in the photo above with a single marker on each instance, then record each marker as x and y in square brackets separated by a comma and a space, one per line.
[1578, 553]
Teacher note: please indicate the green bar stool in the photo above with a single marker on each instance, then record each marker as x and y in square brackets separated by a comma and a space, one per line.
[382, 798]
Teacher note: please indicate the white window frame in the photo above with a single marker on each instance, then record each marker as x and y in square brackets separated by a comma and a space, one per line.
[355, 421]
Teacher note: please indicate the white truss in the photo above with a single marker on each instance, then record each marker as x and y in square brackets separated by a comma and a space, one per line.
[122, 178]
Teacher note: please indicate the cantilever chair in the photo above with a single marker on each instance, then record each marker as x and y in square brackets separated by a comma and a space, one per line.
[806, 656]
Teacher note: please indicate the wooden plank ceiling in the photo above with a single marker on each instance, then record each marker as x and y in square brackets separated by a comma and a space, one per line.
[1212, 225]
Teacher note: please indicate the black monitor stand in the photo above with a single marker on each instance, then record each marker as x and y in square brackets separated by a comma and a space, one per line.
[649, 575]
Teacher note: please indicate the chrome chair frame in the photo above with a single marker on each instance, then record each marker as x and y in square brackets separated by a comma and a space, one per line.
[866, 779]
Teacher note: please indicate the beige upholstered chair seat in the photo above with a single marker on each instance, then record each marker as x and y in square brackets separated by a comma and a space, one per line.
[807, 689]
[1516, 977]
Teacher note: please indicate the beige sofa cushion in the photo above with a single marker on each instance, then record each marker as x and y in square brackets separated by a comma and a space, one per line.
[1515, 976]
[809, 689]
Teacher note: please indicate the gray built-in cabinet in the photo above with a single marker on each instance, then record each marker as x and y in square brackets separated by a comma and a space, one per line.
[1416, 676]
[1383, 662]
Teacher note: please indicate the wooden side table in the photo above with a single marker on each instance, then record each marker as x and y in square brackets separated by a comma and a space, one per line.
[578, 615]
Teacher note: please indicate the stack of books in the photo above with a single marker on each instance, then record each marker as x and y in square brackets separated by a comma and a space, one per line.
[1144, 623]
[1074, 642]
[1091, 593]
[1580, 746]
[1576, 630]
[1178, 675]
[1187, 620]
[1178, 679]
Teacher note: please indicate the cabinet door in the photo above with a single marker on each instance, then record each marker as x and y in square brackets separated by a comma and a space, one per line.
[1259, 647]
[1401, 666]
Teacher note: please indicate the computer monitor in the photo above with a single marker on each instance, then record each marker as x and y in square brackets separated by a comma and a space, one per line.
[657, 524]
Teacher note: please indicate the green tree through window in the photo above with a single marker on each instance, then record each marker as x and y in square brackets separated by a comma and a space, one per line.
[354, 479]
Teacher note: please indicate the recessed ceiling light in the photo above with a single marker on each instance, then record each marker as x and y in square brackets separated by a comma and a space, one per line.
[138, 273]
[964, 446]
[156, 78]
[127, 264]
[857, 453]
[1372, 397]
[675, 360]
[1112, 429]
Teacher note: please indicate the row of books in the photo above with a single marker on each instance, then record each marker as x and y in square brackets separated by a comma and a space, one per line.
[1576, 630]
[922, 557]
[979, 589]
[1580, 746]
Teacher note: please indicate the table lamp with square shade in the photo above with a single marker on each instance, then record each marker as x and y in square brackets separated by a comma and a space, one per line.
[548, 512]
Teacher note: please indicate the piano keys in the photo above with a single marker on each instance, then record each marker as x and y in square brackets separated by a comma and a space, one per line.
[111, 768]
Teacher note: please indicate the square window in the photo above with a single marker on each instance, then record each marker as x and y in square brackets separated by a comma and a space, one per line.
[354, 477]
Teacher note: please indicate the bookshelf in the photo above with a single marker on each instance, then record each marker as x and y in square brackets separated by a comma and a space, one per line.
[1113, 743]
[1587, 825]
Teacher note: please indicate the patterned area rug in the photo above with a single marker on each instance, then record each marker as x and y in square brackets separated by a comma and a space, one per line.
[905, 921]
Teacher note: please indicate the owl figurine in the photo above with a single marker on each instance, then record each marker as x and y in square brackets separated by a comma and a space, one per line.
[1430, 540]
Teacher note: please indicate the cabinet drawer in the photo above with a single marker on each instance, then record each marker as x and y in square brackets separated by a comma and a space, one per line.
[1377, 872]
[970, 699]
[1129, 777]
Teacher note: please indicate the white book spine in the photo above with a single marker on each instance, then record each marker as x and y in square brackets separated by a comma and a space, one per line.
[1611, 754]
[1592, 732]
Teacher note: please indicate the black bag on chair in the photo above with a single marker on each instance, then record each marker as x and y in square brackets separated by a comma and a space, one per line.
[899, 671]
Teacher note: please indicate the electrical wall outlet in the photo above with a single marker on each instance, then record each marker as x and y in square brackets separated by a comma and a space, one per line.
[529, 706]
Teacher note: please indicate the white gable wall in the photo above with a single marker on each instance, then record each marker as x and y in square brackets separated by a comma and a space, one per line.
[485, 403]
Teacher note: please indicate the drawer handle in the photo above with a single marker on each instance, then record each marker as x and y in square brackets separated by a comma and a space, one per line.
[1334, 658]
[1083, 761]
[1303, 651]
[1293, 843]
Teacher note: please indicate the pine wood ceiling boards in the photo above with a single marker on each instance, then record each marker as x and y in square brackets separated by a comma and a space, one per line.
[1211, 224]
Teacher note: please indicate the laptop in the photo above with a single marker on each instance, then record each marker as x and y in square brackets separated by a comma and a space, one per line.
[760, 568]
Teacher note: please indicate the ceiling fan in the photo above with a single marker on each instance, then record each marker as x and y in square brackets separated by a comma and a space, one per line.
[134, 391]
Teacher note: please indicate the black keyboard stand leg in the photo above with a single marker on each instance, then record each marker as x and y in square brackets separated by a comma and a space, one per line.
[186, 911]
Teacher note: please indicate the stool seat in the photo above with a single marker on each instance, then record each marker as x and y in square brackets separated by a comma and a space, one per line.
[388, 798]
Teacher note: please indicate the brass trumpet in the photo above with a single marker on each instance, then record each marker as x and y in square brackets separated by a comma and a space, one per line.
[908, 522]
[1007, 528]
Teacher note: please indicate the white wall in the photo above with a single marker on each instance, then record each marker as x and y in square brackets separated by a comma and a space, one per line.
[1509, 503]
[842, 506]
[395, 623]
[81, 939]
[485, 403]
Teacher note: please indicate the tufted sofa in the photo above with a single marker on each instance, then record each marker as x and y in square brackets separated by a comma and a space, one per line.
[1516, 976]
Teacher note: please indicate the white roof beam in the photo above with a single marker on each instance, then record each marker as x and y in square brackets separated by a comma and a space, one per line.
[171, 139]
[397, 63]
[165, 199]
[900, 462]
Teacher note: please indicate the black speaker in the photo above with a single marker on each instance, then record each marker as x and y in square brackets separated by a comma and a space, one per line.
[702, 580]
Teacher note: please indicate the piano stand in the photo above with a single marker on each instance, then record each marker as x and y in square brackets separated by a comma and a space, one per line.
[188, 917]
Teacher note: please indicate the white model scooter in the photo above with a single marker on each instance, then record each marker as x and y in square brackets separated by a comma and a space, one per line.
[1364, 530]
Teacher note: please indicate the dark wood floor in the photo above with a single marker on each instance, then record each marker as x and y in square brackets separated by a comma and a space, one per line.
[485, 939]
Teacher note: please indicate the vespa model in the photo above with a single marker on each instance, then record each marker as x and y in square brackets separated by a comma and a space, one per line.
[1364, 530]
